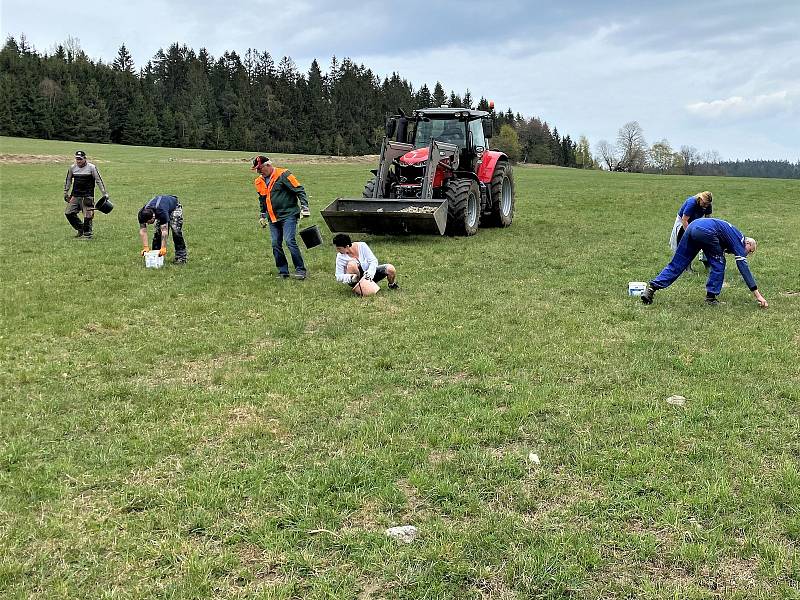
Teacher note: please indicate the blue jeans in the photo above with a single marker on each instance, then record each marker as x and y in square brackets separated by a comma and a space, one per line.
[691, 243]
[286, 229]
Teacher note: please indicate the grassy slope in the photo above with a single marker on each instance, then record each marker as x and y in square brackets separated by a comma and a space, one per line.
[209, 431]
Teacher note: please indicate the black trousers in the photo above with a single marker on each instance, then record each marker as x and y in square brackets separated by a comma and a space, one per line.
[176, 225]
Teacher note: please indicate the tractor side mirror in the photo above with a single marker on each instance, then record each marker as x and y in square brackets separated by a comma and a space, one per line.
[391, 127]
[488, 128]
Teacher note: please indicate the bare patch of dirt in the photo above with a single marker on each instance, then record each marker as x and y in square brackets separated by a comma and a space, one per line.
[493, 587]
[99, 328]
[243, 415]
[203, 372]
[164, 471]
[663, 535]
[370, 590]
[735, 574]
[263, 565]
[29, 159]
[416, 506]
[314, 324]
[441, 378]
[366, 518]
[555, 500]
[438, 457]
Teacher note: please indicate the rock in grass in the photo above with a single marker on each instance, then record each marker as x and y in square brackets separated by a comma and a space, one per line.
[534, 458]
[403, 533]
[676, 400]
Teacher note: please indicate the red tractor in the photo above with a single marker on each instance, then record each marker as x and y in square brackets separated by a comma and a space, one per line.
[436, 175]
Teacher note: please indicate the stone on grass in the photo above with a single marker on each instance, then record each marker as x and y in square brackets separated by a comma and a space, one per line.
[534, 458]
[676, 400]
[403, 533]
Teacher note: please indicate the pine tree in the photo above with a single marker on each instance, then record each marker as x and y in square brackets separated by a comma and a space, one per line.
[423, 98]
[92, 117]
[439, 98]
[124, 61]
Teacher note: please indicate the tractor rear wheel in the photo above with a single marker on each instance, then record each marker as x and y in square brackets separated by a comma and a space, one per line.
[502, 187]
[463, 206]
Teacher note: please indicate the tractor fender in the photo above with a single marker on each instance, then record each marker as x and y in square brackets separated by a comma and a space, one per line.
[488, 163]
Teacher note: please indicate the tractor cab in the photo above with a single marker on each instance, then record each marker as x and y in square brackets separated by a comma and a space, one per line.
[465, 128]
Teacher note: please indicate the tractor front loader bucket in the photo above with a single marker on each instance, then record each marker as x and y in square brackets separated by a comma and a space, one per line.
[370, 215]
[423, 214]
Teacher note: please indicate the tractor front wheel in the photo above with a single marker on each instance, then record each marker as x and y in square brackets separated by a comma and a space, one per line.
[463, 207]
[502, 187]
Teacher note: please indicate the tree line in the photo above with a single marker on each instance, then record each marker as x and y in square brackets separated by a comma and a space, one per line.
[632, 153]
[183, 98]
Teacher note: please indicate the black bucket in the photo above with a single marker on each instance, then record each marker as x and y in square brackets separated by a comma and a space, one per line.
[311, 236]
[104, 205]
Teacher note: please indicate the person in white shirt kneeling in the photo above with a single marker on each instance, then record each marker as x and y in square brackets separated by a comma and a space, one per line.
[358, 267]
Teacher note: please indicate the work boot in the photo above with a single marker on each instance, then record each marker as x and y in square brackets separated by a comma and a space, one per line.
[87, 229]
[647, 294]
[179, 260]
[711, 299]
[79, 233]
[299, 275]
[283, 276]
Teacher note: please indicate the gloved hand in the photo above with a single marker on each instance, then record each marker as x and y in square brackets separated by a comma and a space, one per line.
[104, 197]
[162, 252]
[304, 212]
[145, 249]
[66, 197]
[263, 222]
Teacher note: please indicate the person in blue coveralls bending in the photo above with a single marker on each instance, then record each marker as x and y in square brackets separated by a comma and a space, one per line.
[714, 237]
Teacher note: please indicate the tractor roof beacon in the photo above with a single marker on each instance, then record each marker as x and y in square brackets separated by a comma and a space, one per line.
[435, 175]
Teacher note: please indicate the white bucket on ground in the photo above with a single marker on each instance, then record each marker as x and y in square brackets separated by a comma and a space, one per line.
[152, 260]
[635, 288]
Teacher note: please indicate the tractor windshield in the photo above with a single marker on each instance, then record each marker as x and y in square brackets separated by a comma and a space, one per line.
[451, 131]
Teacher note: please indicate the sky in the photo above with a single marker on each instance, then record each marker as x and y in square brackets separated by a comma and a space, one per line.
[721, 76]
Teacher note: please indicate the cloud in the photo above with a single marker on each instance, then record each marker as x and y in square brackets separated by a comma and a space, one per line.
[741, 107]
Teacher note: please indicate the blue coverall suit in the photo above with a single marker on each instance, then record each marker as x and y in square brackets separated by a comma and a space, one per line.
[714, 237]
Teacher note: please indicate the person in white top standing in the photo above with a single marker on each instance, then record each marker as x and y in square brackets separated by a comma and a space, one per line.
[358, 267]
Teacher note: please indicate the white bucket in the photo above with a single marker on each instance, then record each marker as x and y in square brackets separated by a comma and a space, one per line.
[635, 288]
[152, 260]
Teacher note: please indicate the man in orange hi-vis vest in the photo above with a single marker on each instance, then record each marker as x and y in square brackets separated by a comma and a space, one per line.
[283, 201]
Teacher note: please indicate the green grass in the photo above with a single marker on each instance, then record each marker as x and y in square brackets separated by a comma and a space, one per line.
[212, 432]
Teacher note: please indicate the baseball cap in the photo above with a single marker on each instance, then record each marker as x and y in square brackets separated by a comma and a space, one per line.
[260, 160]
[80, 154]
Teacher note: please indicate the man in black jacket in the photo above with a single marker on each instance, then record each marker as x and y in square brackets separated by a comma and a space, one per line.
[83, 176]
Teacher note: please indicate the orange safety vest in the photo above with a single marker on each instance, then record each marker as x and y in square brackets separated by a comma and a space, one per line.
[265, 189]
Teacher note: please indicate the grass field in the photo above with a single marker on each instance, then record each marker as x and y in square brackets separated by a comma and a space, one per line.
[209, 431]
